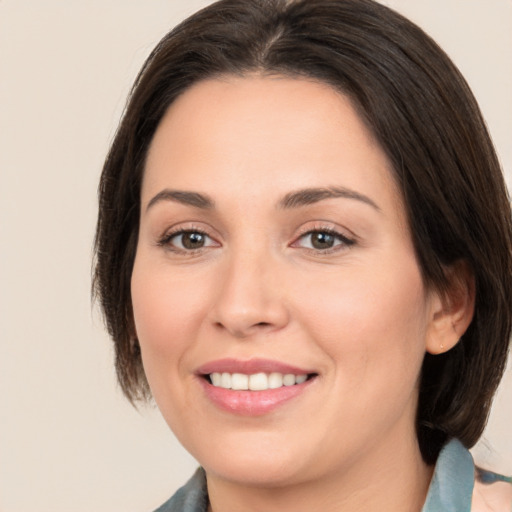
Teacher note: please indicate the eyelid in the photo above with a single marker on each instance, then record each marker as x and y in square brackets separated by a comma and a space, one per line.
[346, 237]
[183, 228]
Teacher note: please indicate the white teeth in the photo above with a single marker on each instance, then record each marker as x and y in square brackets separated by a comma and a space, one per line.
[299, 379]
[275, 380]
[289, 379]
[225, 380]
[256, 381]
[239, 381]
[216, 379]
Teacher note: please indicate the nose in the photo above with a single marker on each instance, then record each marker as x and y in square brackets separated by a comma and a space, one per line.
[250, 299]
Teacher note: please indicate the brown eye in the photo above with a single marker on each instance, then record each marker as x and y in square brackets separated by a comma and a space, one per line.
[192, 240]
[188, 240]
[323, 240]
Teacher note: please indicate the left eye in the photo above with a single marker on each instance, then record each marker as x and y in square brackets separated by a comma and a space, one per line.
[322, 240]
[190, 240]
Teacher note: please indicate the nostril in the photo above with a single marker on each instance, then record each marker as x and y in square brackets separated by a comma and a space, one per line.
[244, 322]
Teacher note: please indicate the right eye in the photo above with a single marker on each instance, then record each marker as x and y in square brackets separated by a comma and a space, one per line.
[187, 240]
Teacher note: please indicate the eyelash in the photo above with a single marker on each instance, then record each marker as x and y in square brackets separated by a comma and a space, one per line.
[344, 241]
[165, 240]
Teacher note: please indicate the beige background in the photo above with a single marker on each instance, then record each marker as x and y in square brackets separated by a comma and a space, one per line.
[68, 440]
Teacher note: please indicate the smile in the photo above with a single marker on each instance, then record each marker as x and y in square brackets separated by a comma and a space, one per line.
[253, 387]
[256, 381]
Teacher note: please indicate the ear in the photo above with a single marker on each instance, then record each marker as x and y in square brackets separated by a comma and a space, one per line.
[451, 309]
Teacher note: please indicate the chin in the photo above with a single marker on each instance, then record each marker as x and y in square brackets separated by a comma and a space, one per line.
[257, 473]
[254, 460]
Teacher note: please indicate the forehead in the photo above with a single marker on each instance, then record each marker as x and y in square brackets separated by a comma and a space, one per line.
[247, 133]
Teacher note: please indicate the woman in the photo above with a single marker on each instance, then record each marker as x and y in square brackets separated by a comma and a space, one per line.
[303, 255]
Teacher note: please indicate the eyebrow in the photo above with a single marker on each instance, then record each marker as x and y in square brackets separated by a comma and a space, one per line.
[308, 196]
[291, 200]
[187, 198]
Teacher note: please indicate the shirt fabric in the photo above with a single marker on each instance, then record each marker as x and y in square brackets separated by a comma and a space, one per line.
[456, 486]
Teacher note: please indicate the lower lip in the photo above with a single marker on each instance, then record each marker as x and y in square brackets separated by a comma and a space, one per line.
[252, 403]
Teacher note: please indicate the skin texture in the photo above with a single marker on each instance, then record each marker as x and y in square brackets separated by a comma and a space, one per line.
[357, 315]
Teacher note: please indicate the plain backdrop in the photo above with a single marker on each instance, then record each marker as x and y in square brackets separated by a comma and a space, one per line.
[68, 439]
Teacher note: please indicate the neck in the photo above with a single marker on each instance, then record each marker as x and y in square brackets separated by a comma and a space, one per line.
[386, 478]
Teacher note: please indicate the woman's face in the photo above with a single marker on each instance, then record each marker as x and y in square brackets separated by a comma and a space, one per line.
[273, 240]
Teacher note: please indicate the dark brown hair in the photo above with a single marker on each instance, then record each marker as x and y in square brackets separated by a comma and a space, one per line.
[422, 112]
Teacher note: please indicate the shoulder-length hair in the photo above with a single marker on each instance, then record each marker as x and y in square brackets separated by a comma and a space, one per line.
[420, 109]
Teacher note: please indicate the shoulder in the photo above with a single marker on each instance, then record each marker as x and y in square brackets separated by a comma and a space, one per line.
[492, 492]
[458, 486]
[192, 497]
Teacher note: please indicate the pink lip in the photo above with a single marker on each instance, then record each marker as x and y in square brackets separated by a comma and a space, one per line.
[251, 403]
[249, 367]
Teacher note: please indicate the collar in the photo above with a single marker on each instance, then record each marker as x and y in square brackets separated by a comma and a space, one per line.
[451, 488]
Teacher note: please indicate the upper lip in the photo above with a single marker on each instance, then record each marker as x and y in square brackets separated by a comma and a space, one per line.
[250, 367]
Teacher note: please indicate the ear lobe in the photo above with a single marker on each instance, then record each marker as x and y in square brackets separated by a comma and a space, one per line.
[452, 309]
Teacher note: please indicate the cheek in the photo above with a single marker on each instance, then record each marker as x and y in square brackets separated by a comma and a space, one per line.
[160, 301]
[371, 324]
[166, 312]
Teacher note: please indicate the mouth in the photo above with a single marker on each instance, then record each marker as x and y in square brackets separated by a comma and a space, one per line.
[255, 387]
